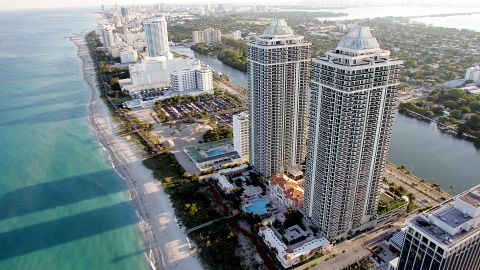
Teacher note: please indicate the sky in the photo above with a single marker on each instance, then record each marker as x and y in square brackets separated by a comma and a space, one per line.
[30, 4]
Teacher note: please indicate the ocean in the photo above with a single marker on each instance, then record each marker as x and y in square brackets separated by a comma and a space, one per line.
[63, 205]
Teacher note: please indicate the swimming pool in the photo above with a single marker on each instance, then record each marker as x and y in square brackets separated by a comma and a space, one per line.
[215, 152]
[258, 207]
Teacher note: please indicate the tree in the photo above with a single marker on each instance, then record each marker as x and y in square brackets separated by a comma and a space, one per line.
[218, 133]
[194, 177]
[191, 209]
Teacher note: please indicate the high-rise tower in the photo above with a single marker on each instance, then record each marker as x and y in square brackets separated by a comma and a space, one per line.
[278, 80]
[352, 109]
[107, 36]
[156, 37]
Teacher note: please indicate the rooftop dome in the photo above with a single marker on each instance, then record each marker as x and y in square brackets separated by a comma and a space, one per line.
[359, 38]
[278, 27]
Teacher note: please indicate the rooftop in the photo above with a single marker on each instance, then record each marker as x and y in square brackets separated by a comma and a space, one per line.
[359, 38]
[156, 19]
[278, 27]
[241, 116]
[286, 255]
[452, 216]
[453, 221]
[472, 197]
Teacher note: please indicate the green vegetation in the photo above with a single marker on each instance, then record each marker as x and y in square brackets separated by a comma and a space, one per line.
[216, 243]
[106, 73]
[181, 99]
[218, 133]
[398, 191]
[165, 167]
[385, 207]
[432, 55]
[161, 114]
[363, 264]
[231, 52]
[464, 109]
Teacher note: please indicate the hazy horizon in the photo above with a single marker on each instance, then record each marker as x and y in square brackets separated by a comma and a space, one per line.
[35, 4]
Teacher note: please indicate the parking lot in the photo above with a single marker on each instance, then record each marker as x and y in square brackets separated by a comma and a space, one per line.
[149, 94]
[210, 105]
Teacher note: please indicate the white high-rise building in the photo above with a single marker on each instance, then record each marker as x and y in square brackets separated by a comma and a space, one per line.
[352, 108]
[473, 74]
[241, 132]
[156, 37]
[278, 80]
[207, 36]
[108, 38]
[446, 237]
[194, 78]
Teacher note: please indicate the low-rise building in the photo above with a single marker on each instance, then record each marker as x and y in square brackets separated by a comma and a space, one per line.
[213, 154]
[288, 191]
[290, 256]
[222, 177]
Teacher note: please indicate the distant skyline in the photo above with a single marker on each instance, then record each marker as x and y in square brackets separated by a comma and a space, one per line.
[31, 4]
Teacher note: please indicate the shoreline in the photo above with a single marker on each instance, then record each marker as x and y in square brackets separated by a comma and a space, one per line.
[165, 244]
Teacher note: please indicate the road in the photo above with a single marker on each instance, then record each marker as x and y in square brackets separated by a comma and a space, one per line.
[355, 249]
[414, 185]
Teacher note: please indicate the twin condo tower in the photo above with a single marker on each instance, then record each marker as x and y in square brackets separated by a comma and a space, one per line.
[334, 116]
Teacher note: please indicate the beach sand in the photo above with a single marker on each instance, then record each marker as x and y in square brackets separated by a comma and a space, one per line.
[167, 246]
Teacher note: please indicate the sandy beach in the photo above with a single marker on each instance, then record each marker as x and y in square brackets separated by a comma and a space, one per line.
[166, 245]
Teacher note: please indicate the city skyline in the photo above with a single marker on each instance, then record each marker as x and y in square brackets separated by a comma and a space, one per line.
[32, 4]
[241, 136]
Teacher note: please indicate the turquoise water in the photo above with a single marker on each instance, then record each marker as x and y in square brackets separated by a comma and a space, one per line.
[215, 152]
[62, 204]
[258, 207]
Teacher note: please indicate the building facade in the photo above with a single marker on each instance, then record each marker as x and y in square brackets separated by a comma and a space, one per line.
[237, 34]
[446, 237]
[194, 78]
[149, 72]
[124, 11]
[128, 55]
[207, 36]
[278, 72]
[107, 36]
[241, 138]
[352, 109]
[286, 190]
[473, 74]
[156, 37]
